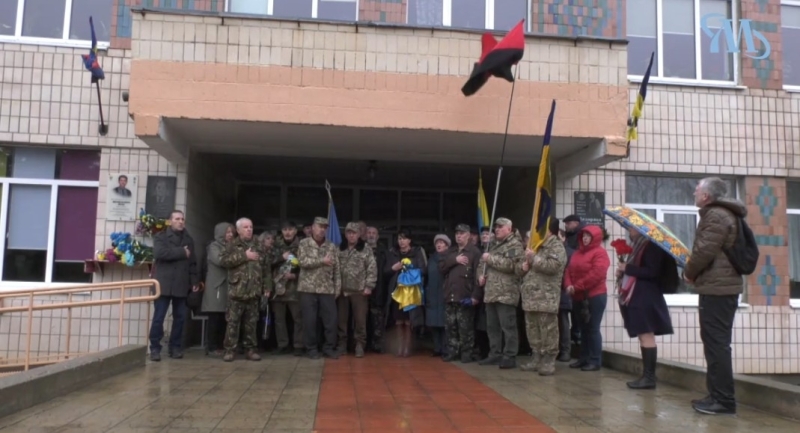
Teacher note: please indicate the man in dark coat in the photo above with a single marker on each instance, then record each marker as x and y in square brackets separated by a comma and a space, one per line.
[378, 298]
[176, 272]
[462, 294]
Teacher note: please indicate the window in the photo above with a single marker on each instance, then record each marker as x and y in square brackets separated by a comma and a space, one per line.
[684, 52]
[55, 22]
[790, 31]
[338, 10]
[48, 210]
[670, 201]
[793, 209]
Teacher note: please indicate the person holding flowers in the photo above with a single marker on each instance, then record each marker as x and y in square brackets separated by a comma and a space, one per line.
[644, 273]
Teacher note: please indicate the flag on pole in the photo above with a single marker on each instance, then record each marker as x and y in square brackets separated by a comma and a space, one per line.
[633, 122]
[496, 58]
[333, 234]
[90, 60]
[483, 209]
[543, 206]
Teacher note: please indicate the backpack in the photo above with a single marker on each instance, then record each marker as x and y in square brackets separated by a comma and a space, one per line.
[743, 254]
[670, 278]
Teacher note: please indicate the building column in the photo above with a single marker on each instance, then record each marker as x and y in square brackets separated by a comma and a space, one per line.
[765, 198]
[765, 18]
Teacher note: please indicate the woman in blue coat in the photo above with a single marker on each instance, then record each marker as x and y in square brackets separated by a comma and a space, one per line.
[434, 296]
[648, 273]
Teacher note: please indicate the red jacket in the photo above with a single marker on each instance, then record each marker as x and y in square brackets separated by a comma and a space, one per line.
[588, 267]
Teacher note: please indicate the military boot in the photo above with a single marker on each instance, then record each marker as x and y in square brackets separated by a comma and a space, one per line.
[252, 355]
[533, 364]
[547, 366]
[491, 360]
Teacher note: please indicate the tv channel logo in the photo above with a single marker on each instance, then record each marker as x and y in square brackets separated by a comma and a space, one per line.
[732, 42]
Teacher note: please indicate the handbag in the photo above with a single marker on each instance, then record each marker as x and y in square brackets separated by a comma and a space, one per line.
[195, 299]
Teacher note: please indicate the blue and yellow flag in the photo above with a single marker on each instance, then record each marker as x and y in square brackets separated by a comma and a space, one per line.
[543, 206]
[483, 210]
[633, 122]
[333, 234]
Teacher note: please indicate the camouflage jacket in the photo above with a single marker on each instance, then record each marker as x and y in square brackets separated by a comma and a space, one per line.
[358, 268]
[315, 276]
[247, 279]
[502, 282]
[285, 290]
[541, 284]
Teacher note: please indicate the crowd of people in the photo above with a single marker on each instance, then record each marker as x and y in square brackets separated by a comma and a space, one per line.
[337, 299]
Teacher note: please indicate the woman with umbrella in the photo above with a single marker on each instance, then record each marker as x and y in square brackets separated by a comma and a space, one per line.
[644, 275]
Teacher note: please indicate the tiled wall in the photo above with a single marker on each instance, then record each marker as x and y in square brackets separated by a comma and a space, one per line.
[383, 11]
[765, 16]
[579, 17]
[121, 21]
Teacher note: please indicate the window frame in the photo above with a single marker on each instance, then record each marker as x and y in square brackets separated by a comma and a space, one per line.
[697, 82]
[54, 184]
[63, 42]
[794, 88]
[794, 303]
[314, 8]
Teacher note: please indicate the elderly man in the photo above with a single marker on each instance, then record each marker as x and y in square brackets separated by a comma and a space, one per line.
[719, 285]
[377, 300]
[319, 285]
[501, 294]
[542, 271]
[176, 272]
[359, 274]
[249, 278]
[287, 300]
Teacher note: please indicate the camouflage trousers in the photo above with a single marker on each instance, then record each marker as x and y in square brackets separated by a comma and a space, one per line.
[241, 315]
[459, 328]
[378, 322]
[542, 330]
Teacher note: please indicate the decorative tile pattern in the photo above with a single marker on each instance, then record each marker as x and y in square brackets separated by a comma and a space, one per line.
[383, 11]
[766, 201]
[765, 17]
[121, 25]
[769, 280]
[578, 17]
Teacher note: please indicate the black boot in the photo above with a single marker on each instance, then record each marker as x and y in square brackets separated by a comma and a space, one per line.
[648, 379]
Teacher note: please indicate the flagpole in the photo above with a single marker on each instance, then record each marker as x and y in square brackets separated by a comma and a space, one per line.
[502, 157]
[103, 129]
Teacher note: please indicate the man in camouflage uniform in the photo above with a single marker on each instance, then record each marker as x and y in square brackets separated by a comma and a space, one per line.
[501, 294]
[286, 296]
[461, 294]
[541, 273]
[377, 300]
[249, 278]
[319, 285]
[359, 274]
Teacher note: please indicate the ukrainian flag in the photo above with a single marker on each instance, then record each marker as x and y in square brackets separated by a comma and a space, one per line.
[543, 206]
[483, 210]
[633, 122]
[333, 234]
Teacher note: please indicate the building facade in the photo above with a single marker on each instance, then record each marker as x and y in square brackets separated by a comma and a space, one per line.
[237, 99]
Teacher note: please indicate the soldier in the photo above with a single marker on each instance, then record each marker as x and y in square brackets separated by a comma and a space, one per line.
[501, 294]
[542, 272]
[249, 278]
[377, 301]
[359, 274]
[461, 295]
[285, 274]
[319, 285]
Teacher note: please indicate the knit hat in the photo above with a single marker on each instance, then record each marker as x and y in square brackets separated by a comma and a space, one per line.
[442, 237]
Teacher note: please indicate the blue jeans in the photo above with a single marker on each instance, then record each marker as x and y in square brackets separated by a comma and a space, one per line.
[591, 339]
[157, 327]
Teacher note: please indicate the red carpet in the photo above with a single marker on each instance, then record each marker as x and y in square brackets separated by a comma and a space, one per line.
[385, 394]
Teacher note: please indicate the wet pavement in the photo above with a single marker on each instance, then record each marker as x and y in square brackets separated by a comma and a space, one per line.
[374, 394]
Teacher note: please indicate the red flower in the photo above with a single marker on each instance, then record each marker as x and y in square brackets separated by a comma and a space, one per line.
[621, 247]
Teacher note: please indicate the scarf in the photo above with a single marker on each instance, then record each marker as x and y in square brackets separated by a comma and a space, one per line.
[628, 283]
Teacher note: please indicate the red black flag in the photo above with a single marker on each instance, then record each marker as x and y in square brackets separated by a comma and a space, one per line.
[496, 59]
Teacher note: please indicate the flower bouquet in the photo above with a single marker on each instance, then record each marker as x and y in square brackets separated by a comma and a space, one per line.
[290, 265]
[148, 225]
[126, 250]
[622, 249]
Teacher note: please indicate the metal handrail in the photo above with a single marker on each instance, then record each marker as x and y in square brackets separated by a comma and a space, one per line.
[32, 294]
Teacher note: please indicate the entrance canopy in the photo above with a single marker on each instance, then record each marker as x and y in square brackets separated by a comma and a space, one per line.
[176, 137]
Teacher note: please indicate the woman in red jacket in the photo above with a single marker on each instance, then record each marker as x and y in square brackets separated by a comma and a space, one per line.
[585, 279]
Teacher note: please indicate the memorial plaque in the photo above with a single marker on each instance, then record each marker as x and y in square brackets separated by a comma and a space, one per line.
[589, 206]
[121, 195]
[160, 201]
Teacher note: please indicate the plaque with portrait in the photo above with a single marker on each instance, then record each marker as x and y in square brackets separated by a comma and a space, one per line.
[121, 197]
[589, 206]
[160, 200]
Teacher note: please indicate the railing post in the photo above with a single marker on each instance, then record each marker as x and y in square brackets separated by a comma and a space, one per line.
[69, 324]
[30, 331]
[121, 312]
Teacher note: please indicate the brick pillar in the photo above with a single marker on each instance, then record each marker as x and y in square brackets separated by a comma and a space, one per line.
[765, 16]
[383, 11]
[765, 198]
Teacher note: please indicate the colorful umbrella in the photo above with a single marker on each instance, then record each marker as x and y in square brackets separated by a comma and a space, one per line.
[655, 231]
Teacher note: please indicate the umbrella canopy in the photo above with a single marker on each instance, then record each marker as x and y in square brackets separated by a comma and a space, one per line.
[656, 232]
